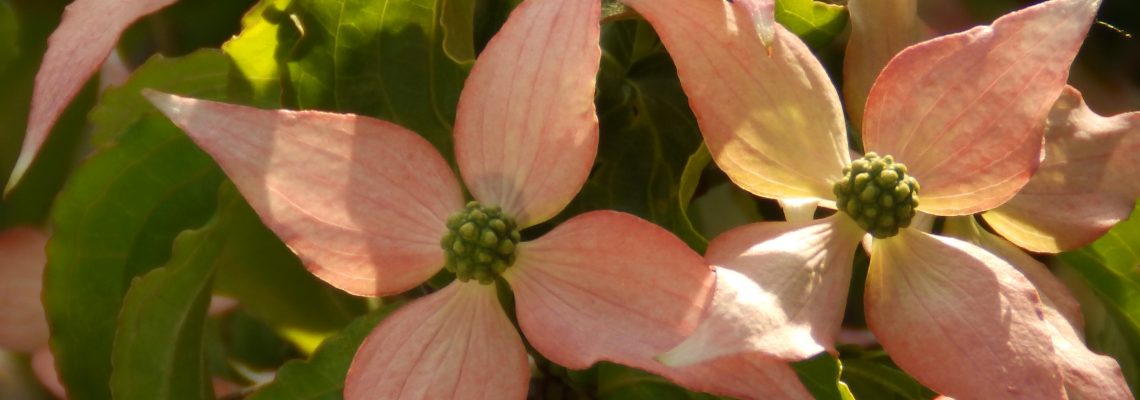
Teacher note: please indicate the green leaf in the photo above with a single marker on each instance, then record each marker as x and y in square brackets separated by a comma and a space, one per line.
[820, 375]
[869, 379]
[273, 286]
[159, 348]
[648, 133]
[1105, 279]
[382, 58]
[266, 30]
[199, 75]
[816, 22]
[690, 178]
[9, 35]
[617, 382]
[116, 219]
[322, 376]
[458, 21]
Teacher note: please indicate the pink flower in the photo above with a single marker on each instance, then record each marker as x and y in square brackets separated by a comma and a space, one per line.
[1081, 188]
[1080, 191]
[964, 112]
[84, 39]
[367, 206]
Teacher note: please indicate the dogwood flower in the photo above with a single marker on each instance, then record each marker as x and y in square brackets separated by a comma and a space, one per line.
[85, 38]
[374, 209]
[963, 112]
[1080, 190]
[1076, 195]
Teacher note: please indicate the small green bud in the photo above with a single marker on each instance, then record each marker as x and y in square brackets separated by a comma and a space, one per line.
[480, 243]
[489, 238]
[468, 230]
[498, 225]
[878, 194]
[869, 194]
[506, 247]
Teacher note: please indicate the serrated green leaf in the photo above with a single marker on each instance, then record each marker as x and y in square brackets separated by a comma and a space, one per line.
[816, 22]
[647, 133]
[869, 379]
[200, 75]
[1105, 278]
[820, 375]
[159, 350]
[322, 376]
[116, 219]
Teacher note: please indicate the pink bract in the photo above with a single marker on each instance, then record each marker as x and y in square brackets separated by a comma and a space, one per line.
[364, 203]
[85, 37]
[23, 326]
[965, 112]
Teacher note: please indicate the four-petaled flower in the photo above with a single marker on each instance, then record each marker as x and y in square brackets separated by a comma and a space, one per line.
[367, 205]
[965, 113]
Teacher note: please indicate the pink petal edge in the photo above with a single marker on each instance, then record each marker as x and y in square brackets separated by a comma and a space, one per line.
[43, 366]
[23, 325]
[526, 132]
[363, 202]
[879, 30]
[1085, 186]
[960, 320]
[1087, 375]
[607, 285]
[453, 344]
[770, 115]
[610, 286]
[781, 289]
[763, 14]
[965, 112]
[85, 37]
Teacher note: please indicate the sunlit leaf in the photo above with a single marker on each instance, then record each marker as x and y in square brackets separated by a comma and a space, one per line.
[815, 21]
[322, 376]
[820, 376]
[258, 53]
[1105, 278]
[116, 219]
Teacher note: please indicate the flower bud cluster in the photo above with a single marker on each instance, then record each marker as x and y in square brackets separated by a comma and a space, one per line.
[878, 194]
[480, 243]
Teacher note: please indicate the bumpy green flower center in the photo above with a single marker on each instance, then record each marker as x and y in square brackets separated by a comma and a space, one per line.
[878, 194]
[480, 243]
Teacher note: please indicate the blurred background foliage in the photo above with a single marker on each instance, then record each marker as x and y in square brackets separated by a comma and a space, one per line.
[138, 213]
